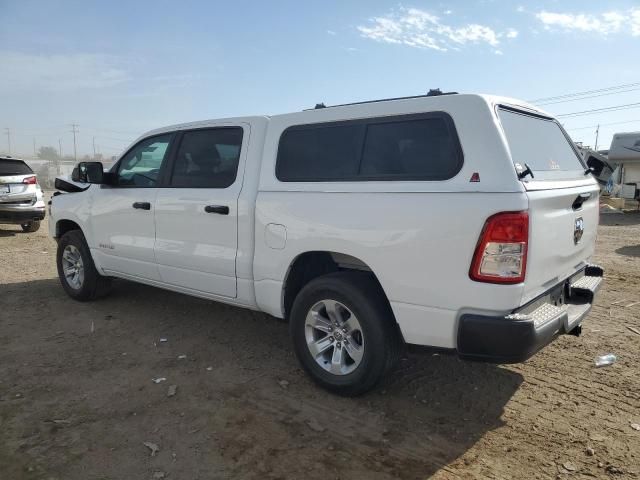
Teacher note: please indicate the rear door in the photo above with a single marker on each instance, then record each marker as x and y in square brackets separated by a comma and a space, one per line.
[563, 201]
[196, 213]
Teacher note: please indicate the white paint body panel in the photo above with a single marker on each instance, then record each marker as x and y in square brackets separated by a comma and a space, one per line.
[418, 238]
[123, 237]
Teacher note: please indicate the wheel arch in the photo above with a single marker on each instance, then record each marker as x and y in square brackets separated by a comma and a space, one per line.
[66, 225]
[309, 265]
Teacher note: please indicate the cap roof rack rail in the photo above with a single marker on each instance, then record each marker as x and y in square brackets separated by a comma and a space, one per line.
[434, 92]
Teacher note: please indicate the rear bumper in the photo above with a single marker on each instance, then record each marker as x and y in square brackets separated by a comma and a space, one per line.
[516, 337]
[21, 215]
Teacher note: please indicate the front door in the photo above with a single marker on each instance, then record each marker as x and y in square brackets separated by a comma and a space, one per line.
[122, 213]
[196, 213]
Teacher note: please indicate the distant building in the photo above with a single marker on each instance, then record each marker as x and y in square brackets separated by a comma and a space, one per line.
[625, 152]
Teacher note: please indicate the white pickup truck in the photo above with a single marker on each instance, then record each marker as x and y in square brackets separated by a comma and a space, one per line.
[462, 222]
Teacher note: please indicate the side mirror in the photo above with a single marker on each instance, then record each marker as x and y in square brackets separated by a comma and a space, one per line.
[88, 172]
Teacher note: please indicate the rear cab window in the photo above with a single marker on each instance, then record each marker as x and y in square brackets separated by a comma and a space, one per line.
[541, 144]
[405, 147]
[14, 167]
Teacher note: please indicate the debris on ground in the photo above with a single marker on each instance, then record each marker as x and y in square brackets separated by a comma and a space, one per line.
[590, 452]
[171, 391]
[636, 426]
[153, 447]
[61, 421]
[613, 470]
[158, 380]
[604, 208]
[159, 475]
[314, 425]
[93, 327]
[618, 302]
[209, 369]
[634, 330]
[604, 360]
[182, 357]
[283, 383]
[570, 467]
[163, 340]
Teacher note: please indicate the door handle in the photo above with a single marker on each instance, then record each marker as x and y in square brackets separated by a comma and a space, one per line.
[142, 205]
[221, 209]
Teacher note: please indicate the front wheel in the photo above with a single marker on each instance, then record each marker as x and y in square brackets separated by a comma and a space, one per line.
[76, 270]
[344, 333]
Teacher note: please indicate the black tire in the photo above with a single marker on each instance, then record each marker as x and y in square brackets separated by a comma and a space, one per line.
[94, 285]
[361, 294]
[32, 226]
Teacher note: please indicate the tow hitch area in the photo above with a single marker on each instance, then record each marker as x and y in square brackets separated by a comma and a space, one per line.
[517, 336]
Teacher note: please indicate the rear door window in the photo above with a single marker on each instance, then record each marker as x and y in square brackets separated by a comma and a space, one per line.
[207, 158]
[407, 147]
[540, 144]
[14, 167]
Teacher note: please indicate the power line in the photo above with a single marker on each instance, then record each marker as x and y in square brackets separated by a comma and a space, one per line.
[603, 125]
[600, 110]
[588, 92]
[587, 97]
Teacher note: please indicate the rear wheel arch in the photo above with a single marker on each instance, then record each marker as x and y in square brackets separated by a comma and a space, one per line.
[310, 265]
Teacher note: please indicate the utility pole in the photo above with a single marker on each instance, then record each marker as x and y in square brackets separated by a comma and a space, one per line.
[34, 147]
[74, 130]
[8, 133]
[597, 133]
[94, 148]
[59, 156]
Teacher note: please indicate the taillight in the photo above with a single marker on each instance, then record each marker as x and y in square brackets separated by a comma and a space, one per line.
[30, 180]
[501, 253]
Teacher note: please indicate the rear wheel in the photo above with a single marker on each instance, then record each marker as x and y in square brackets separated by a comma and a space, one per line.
[76, 270]
[344, 333]
[32, 226]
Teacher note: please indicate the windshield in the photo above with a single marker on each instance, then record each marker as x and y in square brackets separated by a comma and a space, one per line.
[541, 145]
[14, 167]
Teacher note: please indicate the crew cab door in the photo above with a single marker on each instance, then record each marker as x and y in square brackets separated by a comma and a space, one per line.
[196, 213]
[122, 213]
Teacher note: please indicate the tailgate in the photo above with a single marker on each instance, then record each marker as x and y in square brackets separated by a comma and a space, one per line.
[562, 232]
[12, 190]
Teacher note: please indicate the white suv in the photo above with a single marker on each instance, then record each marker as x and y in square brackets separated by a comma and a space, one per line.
[21, 199]
[463, 222]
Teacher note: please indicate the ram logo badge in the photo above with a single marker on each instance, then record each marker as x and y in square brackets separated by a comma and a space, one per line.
[578, 230]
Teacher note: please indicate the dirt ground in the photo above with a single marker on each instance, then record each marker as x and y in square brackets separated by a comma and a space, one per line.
[77, 399]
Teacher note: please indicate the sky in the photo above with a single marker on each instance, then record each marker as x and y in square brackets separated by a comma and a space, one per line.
[119, 68]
